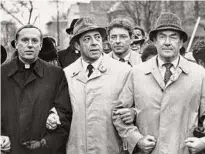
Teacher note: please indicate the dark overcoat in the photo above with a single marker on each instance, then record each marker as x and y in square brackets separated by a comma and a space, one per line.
[25, 106]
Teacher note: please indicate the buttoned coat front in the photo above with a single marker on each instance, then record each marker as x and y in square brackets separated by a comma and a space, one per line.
[92, 131]
[169, 113]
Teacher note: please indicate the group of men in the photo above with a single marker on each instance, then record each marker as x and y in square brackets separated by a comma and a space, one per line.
[103, 104]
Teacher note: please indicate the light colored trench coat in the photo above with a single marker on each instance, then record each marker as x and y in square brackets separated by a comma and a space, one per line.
[169, 113]
[92, 130]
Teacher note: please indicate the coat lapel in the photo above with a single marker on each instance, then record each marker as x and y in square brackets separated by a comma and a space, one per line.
[154, 70]
[79, 72]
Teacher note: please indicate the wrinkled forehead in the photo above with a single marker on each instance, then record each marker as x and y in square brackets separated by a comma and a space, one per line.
[90, 33]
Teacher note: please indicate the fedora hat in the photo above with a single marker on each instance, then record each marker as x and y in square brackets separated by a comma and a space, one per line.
[70, 29]
[168, 21]
[84, 25]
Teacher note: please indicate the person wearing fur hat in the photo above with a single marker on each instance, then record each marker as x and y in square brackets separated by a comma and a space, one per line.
[69, 55]
[120, 33]
[168, 93]
[3, 54]
[95, 80]
[31, 87]
[49, 52]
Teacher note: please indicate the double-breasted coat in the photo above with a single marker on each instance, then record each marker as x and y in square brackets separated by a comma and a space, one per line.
[25, 106]
[92, 131]
[167, 112]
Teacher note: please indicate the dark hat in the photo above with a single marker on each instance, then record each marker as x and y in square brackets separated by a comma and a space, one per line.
[141, 29]
[121, 22]
[70, 29]
[48, 51]
[84, 25]
[3, 54]
[168, 21]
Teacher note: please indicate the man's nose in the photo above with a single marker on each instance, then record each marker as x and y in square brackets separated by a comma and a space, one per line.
[30, 43]
[167, 41]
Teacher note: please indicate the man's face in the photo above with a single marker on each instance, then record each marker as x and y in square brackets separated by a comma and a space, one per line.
[119, 40]
[137, 34]
[168, 44]
[91, 46]
[28, 44]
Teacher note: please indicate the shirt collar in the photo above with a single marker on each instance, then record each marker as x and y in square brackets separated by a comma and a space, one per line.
[95, 64]
[175, 62]
[126, 58]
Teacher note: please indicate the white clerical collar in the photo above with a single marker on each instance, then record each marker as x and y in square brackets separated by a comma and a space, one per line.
[95, 64]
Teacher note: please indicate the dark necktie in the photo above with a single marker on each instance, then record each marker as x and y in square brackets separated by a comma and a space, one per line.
[122, 59]
[168, 73]
[90, 69]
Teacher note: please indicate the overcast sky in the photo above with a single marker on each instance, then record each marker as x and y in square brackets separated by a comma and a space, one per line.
[43, 8]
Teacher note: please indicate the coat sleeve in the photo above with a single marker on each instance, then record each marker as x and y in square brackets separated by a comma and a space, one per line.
[57, 139]
[129, 133]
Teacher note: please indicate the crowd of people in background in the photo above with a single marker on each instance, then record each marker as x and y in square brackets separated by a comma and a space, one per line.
[113, 90]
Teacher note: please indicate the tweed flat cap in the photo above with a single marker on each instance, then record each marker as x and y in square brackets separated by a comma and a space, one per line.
[121, 22]
[168, 21]
[84, 25]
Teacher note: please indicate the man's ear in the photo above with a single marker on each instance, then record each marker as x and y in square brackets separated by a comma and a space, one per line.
[77, 46]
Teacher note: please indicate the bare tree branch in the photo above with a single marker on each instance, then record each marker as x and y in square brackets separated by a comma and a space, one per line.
[35, 19]
[30, 11]
[8, 12]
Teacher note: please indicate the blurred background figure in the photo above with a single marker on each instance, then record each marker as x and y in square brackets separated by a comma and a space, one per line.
[3, 54]
[199, 52]
[138, 39]
[149, 51]
[182, 51]
[49, 51]
[69, 55]
[106, 45]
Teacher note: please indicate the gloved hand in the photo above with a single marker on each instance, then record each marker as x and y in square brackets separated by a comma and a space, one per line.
[32, 145]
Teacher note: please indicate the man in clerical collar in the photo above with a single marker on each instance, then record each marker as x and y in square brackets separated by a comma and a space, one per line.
[30, 89]
[95, 80]
[168, 93]
[120, 33]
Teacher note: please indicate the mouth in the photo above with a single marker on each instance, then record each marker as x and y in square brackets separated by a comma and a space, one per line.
[29, 52]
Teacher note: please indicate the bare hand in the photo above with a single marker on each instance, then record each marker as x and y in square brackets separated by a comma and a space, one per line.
[5, 143]
[52, 121]
[195, 144]
[147, 144]
[127, 115]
